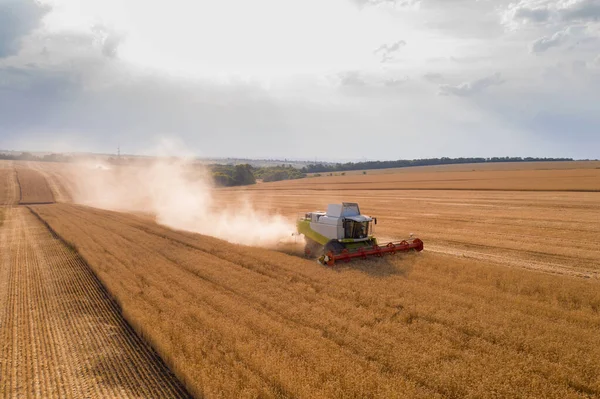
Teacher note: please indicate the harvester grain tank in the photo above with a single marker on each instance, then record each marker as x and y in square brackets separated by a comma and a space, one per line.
[342, 233]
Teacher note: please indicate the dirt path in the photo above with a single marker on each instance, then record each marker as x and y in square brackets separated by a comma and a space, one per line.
[61, 335]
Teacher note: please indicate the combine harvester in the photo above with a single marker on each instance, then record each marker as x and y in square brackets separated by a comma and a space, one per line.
[342, 233]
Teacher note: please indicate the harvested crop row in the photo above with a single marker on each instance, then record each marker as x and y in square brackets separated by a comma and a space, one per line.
[60, 178]
[61, 336]
[55, 180]
[34, 187]
[9, 191]
[239, 321]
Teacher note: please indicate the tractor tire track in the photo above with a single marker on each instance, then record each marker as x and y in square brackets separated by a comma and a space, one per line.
[514, 261]
[62, 336]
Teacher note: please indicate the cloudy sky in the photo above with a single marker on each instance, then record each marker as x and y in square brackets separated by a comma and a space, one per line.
[326, 79]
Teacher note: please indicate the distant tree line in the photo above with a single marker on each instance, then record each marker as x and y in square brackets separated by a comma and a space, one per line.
[277, 173]
[27, 156]
[245, 174]
[232, 175]
[403, 163]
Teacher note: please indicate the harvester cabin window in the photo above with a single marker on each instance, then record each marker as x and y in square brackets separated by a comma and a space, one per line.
[356, 229]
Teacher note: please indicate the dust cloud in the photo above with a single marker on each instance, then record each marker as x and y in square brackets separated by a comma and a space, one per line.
[179, 195]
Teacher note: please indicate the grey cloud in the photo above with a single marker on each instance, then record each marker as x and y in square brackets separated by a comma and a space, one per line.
[108, 39]
[466, 89]
[387, 51]
[460, 18]
[79, 93]
[110, 45]
[18, 18]
[470, 60]
[39, 104]
[433, 77]
[352, 78]
[581, 11]
[408, 3]
[556, 75]
[30, 96]
[396, 3]
[585, 41]
[578, 66]
[540, 14]
[544, 43]
[395, 82]
[540, 11]
[94, 48]
[596, 61]
[362, 83]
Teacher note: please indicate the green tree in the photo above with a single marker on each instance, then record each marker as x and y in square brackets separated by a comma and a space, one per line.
[223, 180]
[243, 175]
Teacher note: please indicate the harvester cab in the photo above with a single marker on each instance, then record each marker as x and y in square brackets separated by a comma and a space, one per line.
[343, 233]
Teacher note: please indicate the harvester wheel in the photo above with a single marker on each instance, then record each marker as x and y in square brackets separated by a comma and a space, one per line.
[312, 248]
[333, 246]
[419, 248]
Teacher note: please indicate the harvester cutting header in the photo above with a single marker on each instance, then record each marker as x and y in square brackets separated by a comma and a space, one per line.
[342, 233]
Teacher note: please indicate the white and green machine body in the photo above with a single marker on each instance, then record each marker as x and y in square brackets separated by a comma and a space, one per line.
[342, 234]
[341, 227]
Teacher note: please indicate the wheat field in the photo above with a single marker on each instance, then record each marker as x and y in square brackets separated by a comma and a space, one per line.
[238, 321]
[481, 167]
[503, 302]
[534, 176]
[9, 190]
[34, 188]
[556, 232]
[62, 335]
